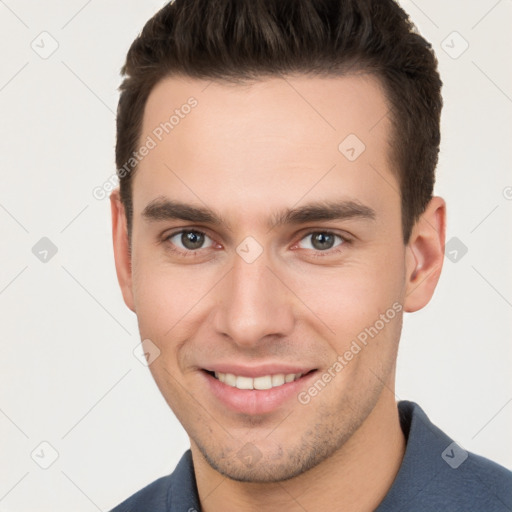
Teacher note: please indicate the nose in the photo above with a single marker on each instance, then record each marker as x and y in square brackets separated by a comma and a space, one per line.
[254, 304]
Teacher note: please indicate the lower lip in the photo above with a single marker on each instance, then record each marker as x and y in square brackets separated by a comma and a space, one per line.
[256, 401]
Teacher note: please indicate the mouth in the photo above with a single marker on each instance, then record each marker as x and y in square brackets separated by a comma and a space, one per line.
[261, 383]
[266, 391]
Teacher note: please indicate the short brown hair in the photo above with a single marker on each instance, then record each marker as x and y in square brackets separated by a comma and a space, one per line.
[238, 40]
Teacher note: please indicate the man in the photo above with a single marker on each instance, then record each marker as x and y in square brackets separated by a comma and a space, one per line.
[274, 221]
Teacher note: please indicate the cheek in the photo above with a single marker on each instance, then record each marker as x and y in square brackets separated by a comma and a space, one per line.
[361, 305]
[169, 299]
[351, 297]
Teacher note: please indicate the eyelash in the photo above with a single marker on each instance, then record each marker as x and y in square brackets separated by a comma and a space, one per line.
[315, 253]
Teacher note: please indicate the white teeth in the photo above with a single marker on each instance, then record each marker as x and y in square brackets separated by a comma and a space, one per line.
[244, 383]
[278, 380]
[229, 379]
[264, 382]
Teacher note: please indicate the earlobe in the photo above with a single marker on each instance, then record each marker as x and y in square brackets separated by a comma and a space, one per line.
[122, 254]
[425, 255]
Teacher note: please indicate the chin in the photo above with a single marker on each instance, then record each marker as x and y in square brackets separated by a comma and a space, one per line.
[274, 463]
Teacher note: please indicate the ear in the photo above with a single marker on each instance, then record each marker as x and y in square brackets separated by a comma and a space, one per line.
[425, 255]
[122, 254]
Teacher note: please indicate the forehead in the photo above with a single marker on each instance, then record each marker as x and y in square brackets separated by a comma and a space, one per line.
[263, 140]
[295, 107]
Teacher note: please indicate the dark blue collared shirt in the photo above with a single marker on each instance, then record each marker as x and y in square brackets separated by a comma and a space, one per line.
[436, 475]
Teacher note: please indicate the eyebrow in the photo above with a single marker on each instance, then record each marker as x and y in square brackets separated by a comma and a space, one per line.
[163, 208]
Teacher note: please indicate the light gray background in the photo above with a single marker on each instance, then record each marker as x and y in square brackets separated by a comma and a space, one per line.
[67, 369]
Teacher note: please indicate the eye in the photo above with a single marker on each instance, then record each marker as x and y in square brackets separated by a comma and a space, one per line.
[189, 240]
[322, 241]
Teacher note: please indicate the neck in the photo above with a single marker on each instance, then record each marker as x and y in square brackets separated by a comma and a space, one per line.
[357, 477]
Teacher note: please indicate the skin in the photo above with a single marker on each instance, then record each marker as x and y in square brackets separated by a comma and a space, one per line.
[246, 152]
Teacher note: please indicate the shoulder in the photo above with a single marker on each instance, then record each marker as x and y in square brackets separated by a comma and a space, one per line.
[484, 482]
[174, 492]
[152, 497]
[438, 474]
[477, 484]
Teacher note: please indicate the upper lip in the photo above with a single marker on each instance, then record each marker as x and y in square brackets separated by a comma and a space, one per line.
[259, 370]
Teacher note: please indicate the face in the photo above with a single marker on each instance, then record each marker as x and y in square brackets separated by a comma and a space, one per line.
[267, 253]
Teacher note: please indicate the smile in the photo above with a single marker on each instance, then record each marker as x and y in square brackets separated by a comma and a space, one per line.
[256, 390]
[261, 383]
